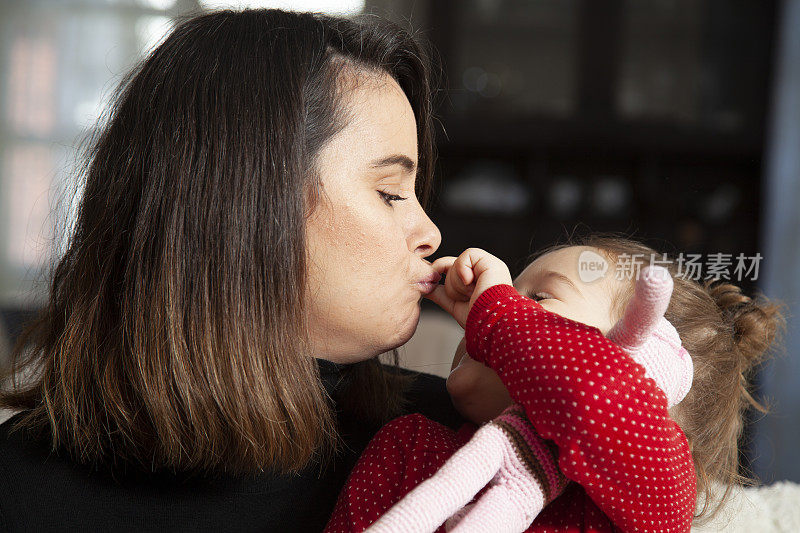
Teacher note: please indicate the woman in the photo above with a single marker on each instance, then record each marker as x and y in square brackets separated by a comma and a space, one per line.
[251, 236]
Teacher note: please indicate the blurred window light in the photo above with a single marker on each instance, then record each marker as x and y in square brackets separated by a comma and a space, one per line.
[151, 30]
[333, 7]
[611, 196]
[487, 187]
[31, 99]
[93, 52]
[565, 196]
[28, 172]
[162, 5]
[61, 60]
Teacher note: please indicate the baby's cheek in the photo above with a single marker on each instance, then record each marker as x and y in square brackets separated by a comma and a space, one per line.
[559, 308]
[464, 378]
[460, 351]
[589, 314]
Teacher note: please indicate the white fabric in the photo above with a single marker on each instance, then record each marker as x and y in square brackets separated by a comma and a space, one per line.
[768, 509]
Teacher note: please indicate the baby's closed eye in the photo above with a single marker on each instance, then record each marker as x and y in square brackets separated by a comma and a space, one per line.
[539, 296]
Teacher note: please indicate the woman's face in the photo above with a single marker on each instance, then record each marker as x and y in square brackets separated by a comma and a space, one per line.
[366, 247]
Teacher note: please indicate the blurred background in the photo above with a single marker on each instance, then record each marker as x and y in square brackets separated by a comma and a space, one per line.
[676, 122]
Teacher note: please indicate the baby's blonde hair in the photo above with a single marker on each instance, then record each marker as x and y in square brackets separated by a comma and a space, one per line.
[727, 334]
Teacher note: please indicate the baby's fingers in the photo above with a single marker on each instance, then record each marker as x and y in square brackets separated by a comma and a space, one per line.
[454, 285]
[440, 298]
[463, 266]
[443, 264]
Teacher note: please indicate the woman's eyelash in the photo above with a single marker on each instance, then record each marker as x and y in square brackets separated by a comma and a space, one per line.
[389, 198]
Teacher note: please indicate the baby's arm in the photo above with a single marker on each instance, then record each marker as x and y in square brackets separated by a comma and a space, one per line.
[580, 390]
[643, 333]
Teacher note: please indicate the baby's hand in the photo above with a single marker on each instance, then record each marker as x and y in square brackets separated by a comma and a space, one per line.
[467, 276]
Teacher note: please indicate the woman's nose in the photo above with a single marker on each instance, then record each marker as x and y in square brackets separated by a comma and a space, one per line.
[426, 237]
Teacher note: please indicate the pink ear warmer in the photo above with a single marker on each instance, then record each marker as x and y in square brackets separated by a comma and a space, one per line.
[650, 339]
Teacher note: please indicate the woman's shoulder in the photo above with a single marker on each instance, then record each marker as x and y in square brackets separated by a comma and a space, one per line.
[15, 442]
[45, 491]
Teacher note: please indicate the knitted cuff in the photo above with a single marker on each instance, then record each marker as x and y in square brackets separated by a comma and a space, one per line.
[538, 456]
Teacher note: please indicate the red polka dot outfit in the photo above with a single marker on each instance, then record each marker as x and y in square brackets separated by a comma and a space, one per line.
[631, 462]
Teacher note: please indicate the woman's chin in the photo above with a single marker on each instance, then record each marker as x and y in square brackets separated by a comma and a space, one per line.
[404, 328]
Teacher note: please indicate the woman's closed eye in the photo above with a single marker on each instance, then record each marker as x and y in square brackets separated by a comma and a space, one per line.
[389, 198]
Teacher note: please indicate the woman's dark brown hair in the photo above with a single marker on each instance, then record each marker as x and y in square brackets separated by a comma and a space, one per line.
[727, 334]
[175, 333]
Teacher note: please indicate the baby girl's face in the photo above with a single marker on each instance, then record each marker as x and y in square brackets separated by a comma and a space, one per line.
[553, 281]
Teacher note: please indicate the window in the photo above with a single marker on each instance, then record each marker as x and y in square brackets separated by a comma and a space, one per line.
[59, 62]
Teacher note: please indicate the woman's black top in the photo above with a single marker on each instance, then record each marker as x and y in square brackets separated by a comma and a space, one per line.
[42, 492]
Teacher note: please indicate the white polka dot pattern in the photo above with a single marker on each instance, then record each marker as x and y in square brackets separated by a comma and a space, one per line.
[578, 389]
[582, 391]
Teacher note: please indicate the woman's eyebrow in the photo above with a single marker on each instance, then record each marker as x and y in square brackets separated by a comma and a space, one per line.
[408, 165]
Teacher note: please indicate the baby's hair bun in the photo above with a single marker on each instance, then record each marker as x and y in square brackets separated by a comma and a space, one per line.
[755, 324]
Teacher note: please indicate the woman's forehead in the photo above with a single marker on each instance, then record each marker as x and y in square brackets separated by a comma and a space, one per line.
[381, 119]
[378, 141]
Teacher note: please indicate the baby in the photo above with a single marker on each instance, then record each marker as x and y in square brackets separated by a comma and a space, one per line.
[725, 331]
[555, 282]
[574, 283]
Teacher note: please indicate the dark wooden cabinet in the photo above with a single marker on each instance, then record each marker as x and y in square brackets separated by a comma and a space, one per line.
[645, 117]
[638, 116]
